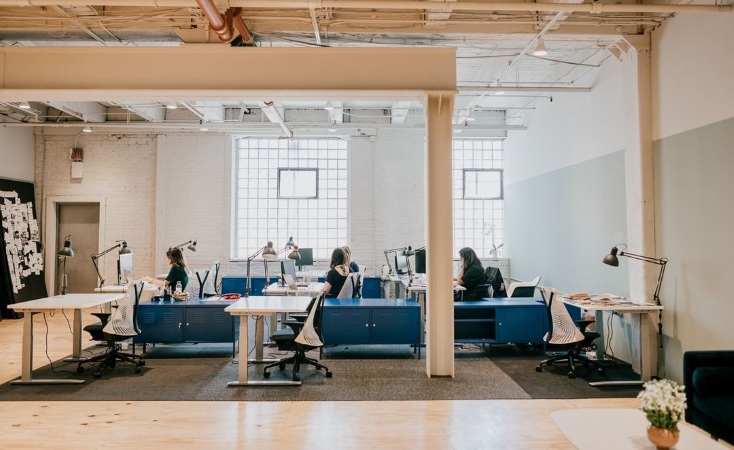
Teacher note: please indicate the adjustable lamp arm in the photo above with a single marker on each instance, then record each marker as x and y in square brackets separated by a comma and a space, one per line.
[659, 261]
[249, 261]
[96, 256]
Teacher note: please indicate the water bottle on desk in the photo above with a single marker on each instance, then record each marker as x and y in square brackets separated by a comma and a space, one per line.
[178, 287]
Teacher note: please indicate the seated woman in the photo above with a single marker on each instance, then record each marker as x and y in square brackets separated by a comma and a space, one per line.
[338, 273]
[178, 272]
[353, 267]
[471, 276]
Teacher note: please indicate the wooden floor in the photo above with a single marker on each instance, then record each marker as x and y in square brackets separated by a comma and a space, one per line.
[487, 424]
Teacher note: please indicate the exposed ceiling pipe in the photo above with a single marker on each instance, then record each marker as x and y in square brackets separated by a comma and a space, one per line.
[595, 7]
[222, 24]
[275, 116]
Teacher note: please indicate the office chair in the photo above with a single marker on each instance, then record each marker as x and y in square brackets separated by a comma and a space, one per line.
[523, 288]
[210, 287]
[348, 290]
[563, 333]
[300, 338]
[495, 284]
[121, 326]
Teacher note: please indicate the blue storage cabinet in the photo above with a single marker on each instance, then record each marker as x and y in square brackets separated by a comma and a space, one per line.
[371, 321]
[371, 287]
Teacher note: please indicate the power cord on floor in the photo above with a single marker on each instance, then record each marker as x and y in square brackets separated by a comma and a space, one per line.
[47, 356]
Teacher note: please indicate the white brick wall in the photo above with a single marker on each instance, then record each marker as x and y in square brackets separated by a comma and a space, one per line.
[387, 193]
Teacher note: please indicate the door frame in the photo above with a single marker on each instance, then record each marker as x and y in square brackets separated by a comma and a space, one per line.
[51, 225]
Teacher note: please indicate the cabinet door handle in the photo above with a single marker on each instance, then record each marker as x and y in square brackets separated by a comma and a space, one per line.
[374, 325]
[367, 325]
[500, 323]
[179, 325]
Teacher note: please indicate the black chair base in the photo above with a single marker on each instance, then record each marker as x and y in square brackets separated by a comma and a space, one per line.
[109, 360]
[297, 359]
[571, 357]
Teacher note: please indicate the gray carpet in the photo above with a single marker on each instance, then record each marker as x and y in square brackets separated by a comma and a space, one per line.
[201, 372]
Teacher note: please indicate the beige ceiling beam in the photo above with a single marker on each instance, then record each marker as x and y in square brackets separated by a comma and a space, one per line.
[145, 74]
[428, 5]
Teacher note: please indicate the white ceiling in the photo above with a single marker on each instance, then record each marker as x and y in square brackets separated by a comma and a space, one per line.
[498, 77]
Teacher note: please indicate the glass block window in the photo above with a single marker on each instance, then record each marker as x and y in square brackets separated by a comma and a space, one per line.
[290, 187]
[478, 196]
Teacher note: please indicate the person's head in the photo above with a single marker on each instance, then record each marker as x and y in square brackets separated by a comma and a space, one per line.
[175, 256]
[338, 257]
[347, 254]
[469, 258]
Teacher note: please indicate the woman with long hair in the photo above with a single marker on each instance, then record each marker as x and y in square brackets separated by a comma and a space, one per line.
[178, 271]
[338, 273]
[471, 275]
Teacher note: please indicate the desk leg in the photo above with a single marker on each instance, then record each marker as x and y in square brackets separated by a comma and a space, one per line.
[243, 366]
[27, 359]
[601, 351]
[76, 329]
[646, 348]
[259, 340]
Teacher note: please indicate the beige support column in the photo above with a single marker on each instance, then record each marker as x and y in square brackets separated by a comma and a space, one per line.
[439, 108]
[639, 191]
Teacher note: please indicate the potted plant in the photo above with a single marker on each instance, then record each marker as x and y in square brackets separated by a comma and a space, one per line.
[489, 231]
[664, 403]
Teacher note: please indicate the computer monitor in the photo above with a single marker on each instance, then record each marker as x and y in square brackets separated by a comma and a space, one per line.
[306, 257]
[401, 262]
[420, 261]
[288, 267]
[124, 262]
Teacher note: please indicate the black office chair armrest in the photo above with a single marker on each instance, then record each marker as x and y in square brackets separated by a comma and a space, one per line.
[295, 326]
[103, 317]
[301, 317]
[583, 323]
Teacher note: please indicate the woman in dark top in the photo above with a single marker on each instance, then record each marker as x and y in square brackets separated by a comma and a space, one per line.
[178, 272]
[338, 273]
[471, 275]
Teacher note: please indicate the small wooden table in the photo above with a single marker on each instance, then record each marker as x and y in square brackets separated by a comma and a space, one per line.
[256, 306]
[617, 428]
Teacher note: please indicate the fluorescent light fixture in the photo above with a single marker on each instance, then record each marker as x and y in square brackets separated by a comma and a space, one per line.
[203, 129]
[457, 130]
[24, 105]
[540, 49]
[499, 93]
[470, 119]
[329, 106]
[87, 129]
[171, 105]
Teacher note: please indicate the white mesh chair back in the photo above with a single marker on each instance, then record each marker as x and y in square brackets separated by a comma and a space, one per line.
[308, 335]
[210, 284]
[348, 288]
[563, 329]
[122, 322]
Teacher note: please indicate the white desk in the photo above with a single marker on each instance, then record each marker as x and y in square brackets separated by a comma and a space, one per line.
[621, 306]
[77, 302]
[251, 306]
[311, 274]
[312, 290]
[112, 288]
[613, 429]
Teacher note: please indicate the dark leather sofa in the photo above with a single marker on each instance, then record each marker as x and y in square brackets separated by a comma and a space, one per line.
[709, 385]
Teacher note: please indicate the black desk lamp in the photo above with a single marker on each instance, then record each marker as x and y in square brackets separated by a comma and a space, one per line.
[191, 245]
[65, 252]
[124, 250]
[612, 260]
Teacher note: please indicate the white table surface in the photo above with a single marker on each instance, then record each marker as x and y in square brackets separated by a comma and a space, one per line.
[255, 306]
[77, 302]
[313, 289]
[617, 428]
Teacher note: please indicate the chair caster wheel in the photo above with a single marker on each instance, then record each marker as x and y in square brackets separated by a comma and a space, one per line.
[142, 362]
[281, 366]
[79, 369]
[601, 371]
[138, 370]
[97, 375]
[571, 375]
[593, 347]
[266, 374]
[328, 374]
[538, 369]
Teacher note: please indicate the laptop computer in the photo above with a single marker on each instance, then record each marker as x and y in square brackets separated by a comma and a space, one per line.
[290, 282]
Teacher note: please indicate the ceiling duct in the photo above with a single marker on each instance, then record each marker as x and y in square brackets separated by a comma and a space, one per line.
[222, 24]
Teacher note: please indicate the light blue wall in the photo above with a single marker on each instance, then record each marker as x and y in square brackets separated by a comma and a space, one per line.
[694, 186]
[562, 223]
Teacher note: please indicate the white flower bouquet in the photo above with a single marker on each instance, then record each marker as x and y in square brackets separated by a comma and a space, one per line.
[663, 402]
